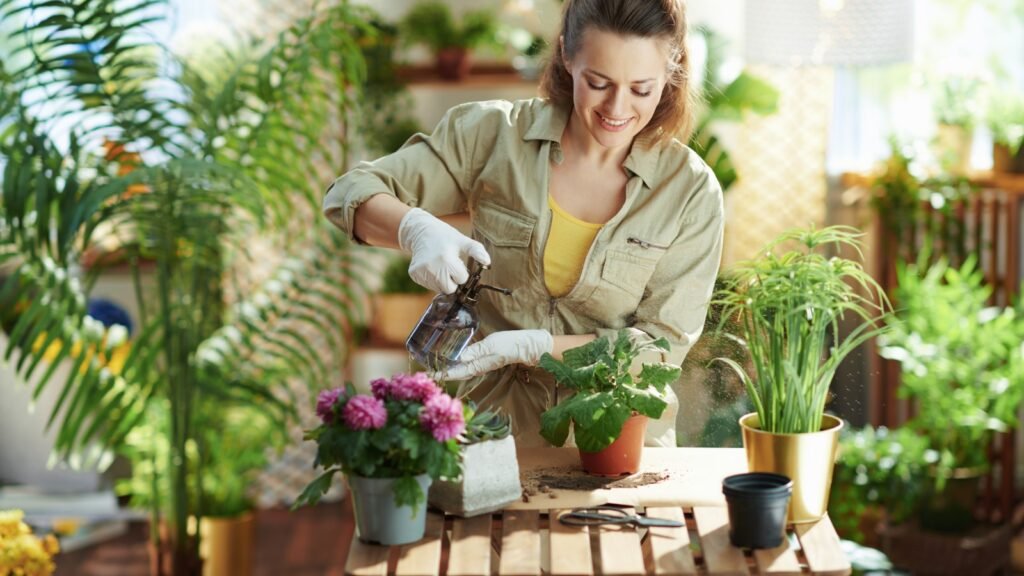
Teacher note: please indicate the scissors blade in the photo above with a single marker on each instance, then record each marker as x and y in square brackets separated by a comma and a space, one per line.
[645, 521]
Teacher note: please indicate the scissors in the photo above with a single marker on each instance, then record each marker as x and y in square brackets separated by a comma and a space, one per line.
[599, 515]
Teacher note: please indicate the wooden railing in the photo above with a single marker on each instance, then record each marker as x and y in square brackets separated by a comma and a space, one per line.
[986, 225]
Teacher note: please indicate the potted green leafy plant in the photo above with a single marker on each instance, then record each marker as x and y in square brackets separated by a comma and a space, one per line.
[236, 442]
[390, 446]
[490, 471]
[431, 23]
[183, 161]
[879, 475]
[961, 361]
[956, 113]
[1005, 119]
[789, 307]
[609, 410]
[398, 304]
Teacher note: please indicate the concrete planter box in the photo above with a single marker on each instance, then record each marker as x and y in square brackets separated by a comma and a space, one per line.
[490, 480]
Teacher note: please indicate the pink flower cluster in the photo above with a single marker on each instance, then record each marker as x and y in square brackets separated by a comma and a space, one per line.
[365, 413]
[441, 414]
[442, 417]
[325, 404]
[418, 387]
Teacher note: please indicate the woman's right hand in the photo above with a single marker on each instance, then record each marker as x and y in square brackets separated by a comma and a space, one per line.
[438, 251]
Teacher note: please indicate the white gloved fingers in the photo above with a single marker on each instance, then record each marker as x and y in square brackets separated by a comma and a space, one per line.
[421, 273]
[476, 251]
[465, 370]
[456, 269]
[473, 352]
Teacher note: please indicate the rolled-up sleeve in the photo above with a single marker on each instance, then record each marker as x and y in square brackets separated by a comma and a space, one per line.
[432, 172]
[679, 292]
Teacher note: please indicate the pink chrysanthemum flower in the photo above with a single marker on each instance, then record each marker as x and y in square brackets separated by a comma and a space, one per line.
[442, 417]
[325, 403]
[365, 413]
[381, 388]
[418, 387]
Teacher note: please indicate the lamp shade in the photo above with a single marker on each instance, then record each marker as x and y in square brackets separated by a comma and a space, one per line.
[828, 32]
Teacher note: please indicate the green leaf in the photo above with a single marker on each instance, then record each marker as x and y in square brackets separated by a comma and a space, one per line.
[554, 424]
[408, 493]
[644, 401]
[586, 354]
[312, 493]
[585, 409]
[603, 431]
[659, 375]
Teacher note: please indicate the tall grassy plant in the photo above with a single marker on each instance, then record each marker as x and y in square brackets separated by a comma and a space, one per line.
[788, 307]
[102, 131]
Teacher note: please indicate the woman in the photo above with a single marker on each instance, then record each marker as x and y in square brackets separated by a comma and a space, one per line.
[584, 202]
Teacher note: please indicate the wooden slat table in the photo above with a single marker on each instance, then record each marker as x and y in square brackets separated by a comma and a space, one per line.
[533, 542]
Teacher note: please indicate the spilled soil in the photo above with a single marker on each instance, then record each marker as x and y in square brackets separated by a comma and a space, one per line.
[540, 483]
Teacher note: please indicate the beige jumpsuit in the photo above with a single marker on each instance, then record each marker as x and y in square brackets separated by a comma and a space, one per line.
[651, 267]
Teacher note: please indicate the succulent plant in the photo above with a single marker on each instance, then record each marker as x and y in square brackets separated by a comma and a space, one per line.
[484, 425]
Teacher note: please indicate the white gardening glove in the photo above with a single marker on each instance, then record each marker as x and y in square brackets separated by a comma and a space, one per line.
[501, 349]
[438, 251]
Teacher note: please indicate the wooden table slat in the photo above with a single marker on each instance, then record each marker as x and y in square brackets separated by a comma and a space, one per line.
[821, 547]
[779, 561]
[423, 558]
[573, 557]
[520, 543]
[670, 547]
[470, 552]
[366, 559]
[620, 549]
[720, 557]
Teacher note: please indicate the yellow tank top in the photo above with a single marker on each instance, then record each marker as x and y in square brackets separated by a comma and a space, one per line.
[568, 244]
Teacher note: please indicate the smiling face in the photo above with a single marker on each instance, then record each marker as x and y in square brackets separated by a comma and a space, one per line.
[617, 84]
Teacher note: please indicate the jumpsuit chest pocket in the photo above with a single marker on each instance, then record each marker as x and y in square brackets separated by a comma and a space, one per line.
[502, 227]
[618, 293]
[506, 235]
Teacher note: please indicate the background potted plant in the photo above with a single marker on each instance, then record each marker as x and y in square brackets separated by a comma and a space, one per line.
[789, 307]
[1005, 118]
[961, 361]
[236, 441]
[192, 174]
[956, 112]
[399, 303]
[610, 407]
[431, 23]
[879, 476]
[390, 445]
[490, 471]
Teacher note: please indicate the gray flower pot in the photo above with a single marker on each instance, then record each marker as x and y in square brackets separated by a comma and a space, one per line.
[490, 480]
[378, 519]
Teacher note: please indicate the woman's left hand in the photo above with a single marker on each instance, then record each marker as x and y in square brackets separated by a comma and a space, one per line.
[501, 349]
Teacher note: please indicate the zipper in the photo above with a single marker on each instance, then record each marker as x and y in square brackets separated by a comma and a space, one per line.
[644, 243]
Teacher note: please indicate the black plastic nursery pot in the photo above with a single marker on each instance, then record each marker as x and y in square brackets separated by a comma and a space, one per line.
[757, 502]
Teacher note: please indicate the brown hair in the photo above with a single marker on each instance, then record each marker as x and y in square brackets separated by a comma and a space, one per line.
[645, 18]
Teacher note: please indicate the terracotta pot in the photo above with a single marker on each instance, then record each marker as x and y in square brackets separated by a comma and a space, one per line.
[623, 455]
[1005, 163]
[453, 63]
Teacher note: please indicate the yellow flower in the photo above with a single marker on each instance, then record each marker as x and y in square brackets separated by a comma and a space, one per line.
[21, 553]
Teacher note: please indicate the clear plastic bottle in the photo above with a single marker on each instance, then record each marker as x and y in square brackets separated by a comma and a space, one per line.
[448, 324]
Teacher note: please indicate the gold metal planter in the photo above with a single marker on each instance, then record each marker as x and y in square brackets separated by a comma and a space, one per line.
[808, 459]
[228, 545]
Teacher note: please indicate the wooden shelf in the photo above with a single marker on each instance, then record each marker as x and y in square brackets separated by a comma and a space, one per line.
[480, 76]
